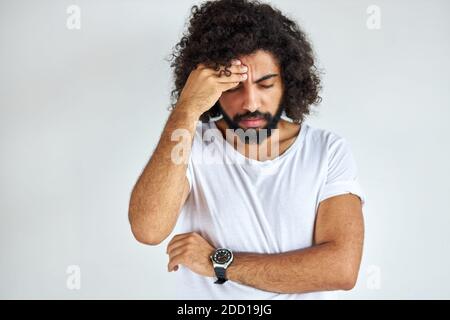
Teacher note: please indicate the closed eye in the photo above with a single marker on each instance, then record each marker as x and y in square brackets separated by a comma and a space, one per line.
[239, 86]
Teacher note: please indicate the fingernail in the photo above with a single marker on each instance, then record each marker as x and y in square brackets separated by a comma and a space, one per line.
[236, 62]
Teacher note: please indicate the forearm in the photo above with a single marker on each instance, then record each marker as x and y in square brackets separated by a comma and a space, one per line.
[154, 203]
[318, 268]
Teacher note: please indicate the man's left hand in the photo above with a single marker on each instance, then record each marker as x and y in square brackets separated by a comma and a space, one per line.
[192, 251]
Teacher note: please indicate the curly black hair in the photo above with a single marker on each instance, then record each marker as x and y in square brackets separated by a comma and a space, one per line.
[222, 30]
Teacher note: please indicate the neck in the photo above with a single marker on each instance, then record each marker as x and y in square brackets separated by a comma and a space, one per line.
[277, 143]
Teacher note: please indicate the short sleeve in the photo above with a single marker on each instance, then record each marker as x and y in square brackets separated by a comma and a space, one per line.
[342, 175]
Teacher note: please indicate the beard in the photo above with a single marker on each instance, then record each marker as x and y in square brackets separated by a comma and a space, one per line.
[253, 135]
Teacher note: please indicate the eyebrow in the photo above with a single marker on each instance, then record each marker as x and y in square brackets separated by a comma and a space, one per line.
[266, 77]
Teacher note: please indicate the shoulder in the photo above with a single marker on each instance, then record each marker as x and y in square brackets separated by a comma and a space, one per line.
[323, 139]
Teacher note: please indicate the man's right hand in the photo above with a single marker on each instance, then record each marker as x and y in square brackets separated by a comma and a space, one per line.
[204, 86]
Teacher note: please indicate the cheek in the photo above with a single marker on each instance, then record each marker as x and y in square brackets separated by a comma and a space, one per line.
[275, 97]
[230, 104]
[269, 98]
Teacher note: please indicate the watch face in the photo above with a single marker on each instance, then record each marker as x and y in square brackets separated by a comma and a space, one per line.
[222, 256]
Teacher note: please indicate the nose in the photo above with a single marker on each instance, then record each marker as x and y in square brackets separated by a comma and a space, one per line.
[250, 101]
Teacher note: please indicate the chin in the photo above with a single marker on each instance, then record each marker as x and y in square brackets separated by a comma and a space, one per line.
[248, 128]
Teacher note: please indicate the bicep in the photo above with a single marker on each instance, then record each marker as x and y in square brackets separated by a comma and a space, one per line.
[340, 221]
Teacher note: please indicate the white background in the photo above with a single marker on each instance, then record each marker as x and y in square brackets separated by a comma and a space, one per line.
[82, 110]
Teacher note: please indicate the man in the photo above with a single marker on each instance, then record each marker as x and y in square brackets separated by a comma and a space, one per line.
[262, 207]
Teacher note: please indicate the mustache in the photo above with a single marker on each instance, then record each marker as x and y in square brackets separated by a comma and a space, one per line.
[252, 115]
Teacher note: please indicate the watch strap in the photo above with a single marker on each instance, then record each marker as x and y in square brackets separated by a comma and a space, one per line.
[221, 275]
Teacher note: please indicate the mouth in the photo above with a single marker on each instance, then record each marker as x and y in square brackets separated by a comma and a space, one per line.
[252, 122]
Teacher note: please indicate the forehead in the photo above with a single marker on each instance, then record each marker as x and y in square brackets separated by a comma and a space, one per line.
[262, 61]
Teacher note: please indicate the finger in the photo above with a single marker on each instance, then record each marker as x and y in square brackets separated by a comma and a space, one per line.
[175, 261]
[179, 237]
[224, 72]
[236, 62]
[233, 78]
[228, 70]
[178, 243]
[238, 69]
[227, 86]
[200, 66]
[176, 248]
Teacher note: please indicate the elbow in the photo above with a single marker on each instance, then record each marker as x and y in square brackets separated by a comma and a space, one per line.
[144, 233]
[348, 278]
[142, 230]
[146, 237]
[349, 283]
[345, 269]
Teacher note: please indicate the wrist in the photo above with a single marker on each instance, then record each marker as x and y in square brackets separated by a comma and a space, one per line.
[191, 109]
[221, 260]
[232, 272]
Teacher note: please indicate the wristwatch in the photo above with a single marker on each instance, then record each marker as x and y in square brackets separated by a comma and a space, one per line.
[221, 259]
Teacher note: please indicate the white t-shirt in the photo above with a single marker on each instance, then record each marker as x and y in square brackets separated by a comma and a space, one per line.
[267, 206]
